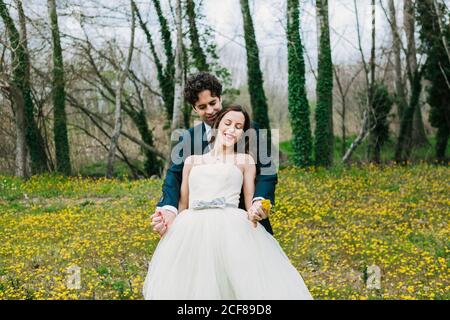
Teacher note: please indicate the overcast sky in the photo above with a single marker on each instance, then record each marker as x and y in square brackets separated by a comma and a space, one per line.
[269, 21]
[225, 17]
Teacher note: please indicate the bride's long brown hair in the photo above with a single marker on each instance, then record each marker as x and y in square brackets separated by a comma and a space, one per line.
[247, 125]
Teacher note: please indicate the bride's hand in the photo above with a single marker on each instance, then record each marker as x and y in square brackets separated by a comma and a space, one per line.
[161, 220]
[253, 216]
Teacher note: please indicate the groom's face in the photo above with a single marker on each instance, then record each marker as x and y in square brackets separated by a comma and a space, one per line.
[207, 107]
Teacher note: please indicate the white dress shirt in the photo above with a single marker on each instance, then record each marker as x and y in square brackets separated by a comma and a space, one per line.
[208, 130]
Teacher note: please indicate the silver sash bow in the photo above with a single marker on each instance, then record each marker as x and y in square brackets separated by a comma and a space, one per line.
[215, 203]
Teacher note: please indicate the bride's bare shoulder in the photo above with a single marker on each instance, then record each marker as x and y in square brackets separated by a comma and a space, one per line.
[190, 160]
[245, 159]
[194, 159]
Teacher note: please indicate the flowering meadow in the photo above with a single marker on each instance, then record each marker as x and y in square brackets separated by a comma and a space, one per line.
[335, 226]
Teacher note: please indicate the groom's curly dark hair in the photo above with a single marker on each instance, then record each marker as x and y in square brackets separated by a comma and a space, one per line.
[199, 82]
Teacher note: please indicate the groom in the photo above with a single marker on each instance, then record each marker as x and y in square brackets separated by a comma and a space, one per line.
[204, 92]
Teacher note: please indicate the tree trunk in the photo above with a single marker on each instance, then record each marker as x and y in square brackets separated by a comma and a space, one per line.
[21, 79]
[419, 137]
[151, 165]
[178, 116]
[442, 136]
[396, 47]
[196, 49]
[436, 69]
[372, 58]
[168, 84]
[344, 137]
[21, 156]
[324, 139]
[297, 98]
[371, 150]
[21, 144]
[412, 132]
[59, 98]
[254, 74]
[403, 148]
[117, 114]
[363, 133]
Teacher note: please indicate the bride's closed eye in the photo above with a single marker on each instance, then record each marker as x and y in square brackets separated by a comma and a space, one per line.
[229, 123]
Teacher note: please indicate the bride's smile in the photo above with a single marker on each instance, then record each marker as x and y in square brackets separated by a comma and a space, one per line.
[230, 128]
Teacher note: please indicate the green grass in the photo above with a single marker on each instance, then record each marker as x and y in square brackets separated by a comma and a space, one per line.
[98, 169]
[332, 224]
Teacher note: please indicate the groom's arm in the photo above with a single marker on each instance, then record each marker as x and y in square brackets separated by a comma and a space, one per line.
[172, 183]
[266, 176]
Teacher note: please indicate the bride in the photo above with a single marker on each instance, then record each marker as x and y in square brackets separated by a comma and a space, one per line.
[213, 249]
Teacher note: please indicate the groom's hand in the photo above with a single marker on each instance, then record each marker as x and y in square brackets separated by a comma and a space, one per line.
[258, 210]
[161, 220]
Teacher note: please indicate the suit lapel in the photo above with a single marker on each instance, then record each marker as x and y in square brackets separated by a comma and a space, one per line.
[199, 139]
[205, 148]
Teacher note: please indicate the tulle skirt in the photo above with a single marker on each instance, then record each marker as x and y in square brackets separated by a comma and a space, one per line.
[217, 254]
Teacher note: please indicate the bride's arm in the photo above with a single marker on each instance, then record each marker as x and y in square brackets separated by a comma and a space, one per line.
[184, 190]
[249, 180]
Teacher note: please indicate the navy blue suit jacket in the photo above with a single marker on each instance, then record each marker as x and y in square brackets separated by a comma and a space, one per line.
[264, 183]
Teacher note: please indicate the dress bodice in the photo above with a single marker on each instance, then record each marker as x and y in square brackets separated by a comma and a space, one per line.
[210, 181]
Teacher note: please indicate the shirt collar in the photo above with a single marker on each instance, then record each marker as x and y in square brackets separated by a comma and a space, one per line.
[207, 127]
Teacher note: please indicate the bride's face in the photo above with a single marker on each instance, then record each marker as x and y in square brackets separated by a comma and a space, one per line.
[231, 128]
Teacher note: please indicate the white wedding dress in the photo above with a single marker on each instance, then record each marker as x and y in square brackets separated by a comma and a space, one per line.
[217, 253]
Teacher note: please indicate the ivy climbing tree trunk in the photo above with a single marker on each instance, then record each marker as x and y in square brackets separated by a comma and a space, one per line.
[59, 97]
[324, 139]
[297, 99]
[196, 50]
[178, 116]
[381, 106]
[254, 74]
[434, 33]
